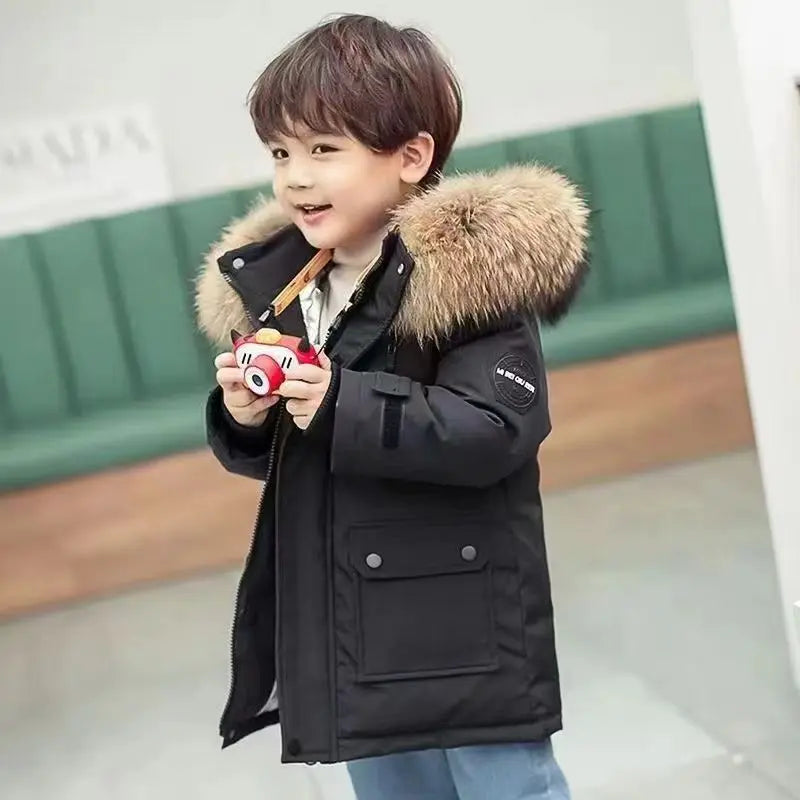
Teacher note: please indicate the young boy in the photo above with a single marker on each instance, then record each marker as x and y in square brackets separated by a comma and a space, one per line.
[394, 610]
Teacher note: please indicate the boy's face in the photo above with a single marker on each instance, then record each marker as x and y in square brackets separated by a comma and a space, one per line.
[335, 189]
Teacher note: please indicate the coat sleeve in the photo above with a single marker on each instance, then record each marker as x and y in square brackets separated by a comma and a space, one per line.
[483, 418]
[240, 449]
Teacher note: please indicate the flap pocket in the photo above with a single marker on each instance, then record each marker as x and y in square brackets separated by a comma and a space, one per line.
[434, 617]
[397, 550]
[390, 385]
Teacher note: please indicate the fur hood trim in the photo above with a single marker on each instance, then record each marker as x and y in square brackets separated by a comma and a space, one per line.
[484, 246]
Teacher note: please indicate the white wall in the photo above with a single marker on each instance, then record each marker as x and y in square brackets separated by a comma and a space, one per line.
[525, 65]
[747, 58]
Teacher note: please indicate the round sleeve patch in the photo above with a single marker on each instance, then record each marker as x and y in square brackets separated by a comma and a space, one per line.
[515, 382]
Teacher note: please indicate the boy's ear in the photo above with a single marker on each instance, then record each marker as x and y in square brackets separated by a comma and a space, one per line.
[416, 157]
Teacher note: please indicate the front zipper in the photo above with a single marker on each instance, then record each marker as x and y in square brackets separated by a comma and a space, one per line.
[285, 726]
[333, 710]
[237, 604]
[276, 643]
[230, 734]
[273, 452]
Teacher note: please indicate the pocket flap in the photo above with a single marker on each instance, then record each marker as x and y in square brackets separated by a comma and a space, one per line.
[391, 385]
[407, 550]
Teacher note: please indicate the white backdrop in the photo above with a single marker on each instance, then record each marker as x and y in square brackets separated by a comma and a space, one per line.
[525, 65]
[748, 61]
[56, 170]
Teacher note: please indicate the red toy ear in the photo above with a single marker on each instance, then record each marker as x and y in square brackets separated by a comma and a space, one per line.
[235, 335]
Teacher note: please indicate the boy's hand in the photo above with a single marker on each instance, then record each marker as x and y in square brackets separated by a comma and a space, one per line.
[245, 407]
[305, 387]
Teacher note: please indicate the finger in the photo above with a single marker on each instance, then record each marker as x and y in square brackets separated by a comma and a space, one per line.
[310, 373]
[297, 408]
[230, 377]
[244, 399]
[262, 403]
[296, 389]
[324, 361]
[225, 360]
[253, 403]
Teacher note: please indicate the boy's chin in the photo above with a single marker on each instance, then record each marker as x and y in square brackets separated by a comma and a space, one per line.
[320, 240]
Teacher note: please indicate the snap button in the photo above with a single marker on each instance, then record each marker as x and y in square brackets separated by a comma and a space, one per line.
[238, 263]
[292, 747]
[469, 553]
[374, 561]
[401, 269]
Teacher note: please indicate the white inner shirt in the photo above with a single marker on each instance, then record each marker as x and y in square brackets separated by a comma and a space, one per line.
[320, 305]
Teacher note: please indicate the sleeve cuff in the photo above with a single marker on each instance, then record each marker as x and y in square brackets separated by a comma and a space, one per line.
[234, 438]
[323, 419]
[246, 433]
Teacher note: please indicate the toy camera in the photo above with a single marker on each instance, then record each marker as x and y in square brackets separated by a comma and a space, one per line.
[266, 355]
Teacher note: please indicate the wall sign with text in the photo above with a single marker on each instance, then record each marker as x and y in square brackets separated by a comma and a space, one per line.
[59, 170]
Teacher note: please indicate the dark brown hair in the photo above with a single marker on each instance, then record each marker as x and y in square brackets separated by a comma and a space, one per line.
[360, 76]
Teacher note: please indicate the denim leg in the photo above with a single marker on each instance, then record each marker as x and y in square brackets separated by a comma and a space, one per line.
[520, 771]
[416, 775]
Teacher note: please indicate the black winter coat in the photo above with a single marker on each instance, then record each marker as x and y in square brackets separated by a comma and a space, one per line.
[397, 585]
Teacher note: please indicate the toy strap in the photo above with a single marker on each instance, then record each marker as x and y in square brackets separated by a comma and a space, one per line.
[310, 271]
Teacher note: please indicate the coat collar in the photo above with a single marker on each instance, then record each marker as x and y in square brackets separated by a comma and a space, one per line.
[482, 246]
[255, 273]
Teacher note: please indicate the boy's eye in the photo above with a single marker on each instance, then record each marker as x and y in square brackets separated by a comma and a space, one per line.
[278, 153]
[323, 148]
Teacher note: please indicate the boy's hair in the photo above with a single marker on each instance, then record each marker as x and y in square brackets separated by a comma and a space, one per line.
[361, 76]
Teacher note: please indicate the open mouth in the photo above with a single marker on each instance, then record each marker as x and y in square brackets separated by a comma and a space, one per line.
[309, 210]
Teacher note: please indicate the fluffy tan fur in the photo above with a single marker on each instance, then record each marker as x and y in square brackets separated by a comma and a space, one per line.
[484, 245]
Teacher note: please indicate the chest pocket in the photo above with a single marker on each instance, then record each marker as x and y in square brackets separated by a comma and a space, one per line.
[424, 604]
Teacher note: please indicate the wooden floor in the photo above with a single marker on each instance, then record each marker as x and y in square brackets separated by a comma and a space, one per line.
[178, 515]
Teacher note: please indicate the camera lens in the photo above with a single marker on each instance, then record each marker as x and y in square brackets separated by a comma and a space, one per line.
[258, 381]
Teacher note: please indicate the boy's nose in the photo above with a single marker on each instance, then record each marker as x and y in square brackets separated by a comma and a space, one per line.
[299, 177]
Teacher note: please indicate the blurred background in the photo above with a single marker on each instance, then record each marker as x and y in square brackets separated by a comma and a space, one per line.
[670, 476]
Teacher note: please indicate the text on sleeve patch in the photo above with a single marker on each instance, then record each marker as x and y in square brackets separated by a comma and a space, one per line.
[515, 382]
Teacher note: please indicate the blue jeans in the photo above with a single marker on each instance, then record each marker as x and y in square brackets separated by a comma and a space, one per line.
[526, 771]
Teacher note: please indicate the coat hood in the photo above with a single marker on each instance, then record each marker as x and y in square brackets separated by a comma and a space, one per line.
[484, 245]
